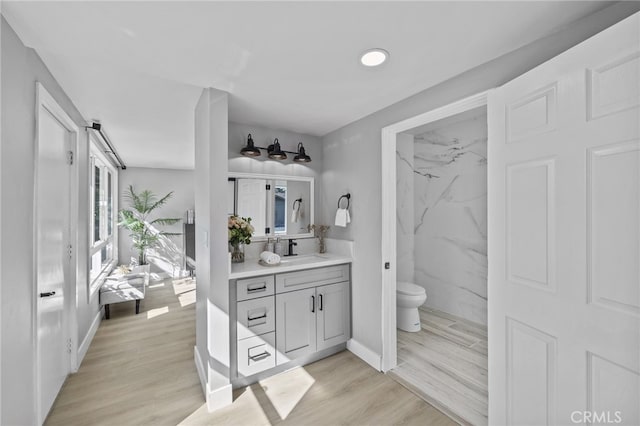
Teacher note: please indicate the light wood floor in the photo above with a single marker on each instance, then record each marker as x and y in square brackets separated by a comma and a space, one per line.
[139, 370]
[446, 364]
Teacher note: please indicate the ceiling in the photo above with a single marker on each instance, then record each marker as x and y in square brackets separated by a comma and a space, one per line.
[139, 67]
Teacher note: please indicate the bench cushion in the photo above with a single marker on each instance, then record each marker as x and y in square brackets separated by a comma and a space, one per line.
[122, 288]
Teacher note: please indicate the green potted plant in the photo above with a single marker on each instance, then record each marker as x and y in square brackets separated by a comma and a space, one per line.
[240, 232]
[144, 234]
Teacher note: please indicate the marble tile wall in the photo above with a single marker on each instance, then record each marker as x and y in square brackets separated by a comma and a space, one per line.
[405, 208]
[449, 171]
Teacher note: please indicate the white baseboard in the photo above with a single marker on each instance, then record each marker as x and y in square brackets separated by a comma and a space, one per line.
[88, 338]
[217, 398]
[201, 371]
[365, 354]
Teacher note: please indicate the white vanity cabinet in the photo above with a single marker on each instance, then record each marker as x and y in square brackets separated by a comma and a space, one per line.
[312, 319]
[255, 325]
[289, 316]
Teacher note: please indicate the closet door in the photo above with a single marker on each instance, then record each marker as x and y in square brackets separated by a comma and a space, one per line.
[564, 209]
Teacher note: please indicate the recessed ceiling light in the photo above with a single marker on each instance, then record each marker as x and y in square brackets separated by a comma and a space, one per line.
[374, 57]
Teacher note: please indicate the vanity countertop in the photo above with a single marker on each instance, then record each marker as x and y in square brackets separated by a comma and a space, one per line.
[251, 267]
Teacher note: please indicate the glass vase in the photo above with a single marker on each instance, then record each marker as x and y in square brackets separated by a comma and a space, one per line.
[237, 252]
[323, 246]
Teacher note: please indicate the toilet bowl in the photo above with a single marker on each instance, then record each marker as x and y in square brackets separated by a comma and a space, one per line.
[408, 297]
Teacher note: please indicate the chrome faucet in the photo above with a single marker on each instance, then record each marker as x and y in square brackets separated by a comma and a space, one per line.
[292, 243]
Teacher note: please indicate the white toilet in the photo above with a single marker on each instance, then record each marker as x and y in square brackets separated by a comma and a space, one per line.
[408, 297]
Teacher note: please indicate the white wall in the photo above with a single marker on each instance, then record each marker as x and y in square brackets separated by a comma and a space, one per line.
[21, 69]
[168, 257]
[352, 158]
[1, 25]
[450, 228]
[212, 270]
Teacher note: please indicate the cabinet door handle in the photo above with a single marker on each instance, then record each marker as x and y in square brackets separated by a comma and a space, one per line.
[256, 289]
[47, 294]
[260, 357]
[320, 296]
[313, 303]
[258, 317]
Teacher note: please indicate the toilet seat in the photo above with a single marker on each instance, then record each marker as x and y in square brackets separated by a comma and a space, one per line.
[409, 289]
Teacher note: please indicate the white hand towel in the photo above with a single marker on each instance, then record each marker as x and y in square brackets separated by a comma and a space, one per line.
[269, 258]
[341, 217]
[348, 216]
[295, 214]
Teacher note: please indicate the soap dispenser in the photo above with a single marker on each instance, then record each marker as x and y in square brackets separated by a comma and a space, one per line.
[277, 248]
[269, 245]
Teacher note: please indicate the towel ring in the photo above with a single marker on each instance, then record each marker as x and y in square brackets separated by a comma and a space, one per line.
[299, 200]
[348, 197]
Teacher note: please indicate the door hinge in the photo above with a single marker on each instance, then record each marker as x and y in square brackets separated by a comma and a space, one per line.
[70, 157]
[69, 345]
[267, 230]
[70, 249]
[387, 265]
[268, 187]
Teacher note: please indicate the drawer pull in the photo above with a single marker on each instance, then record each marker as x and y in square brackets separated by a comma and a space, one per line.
[255, 318]
[256, 289]
[260, 357]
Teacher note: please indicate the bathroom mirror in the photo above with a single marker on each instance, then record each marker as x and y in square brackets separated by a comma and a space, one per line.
[279, 206]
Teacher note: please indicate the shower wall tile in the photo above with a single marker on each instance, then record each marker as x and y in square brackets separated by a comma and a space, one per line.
[405, 209]
[450, 217]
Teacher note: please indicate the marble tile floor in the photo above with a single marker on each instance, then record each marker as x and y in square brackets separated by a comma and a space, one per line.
[446, 365]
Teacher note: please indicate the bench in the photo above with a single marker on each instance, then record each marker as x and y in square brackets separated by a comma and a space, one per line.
[118, 288]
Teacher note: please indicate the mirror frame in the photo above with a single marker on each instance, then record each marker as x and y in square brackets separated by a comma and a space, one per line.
[310, 179]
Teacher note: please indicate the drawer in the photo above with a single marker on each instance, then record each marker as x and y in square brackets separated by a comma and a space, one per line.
[256, 354]
[256, 316]
[298, 280]
[250, 288]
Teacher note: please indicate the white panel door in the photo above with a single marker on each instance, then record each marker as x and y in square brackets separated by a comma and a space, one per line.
[252, 202]
[564, 255]
[52, 253]
[295, 324]
[334, 319]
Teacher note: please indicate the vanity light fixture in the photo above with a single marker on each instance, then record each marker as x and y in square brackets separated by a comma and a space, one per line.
[250, 150]
[374, 57]
[302, 156]
[274, 151]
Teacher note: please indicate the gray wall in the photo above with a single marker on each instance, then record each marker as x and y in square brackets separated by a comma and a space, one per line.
[352, 159]
[168, 256]
[21, 69]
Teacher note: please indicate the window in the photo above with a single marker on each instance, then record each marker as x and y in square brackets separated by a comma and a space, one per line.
[103, 241]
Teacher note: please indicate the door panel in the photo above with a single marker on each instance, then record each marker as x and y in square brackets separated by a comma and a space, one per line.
[334, 325]
[252, 202]
[52, 233]
[295, 324]
[564, 238]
